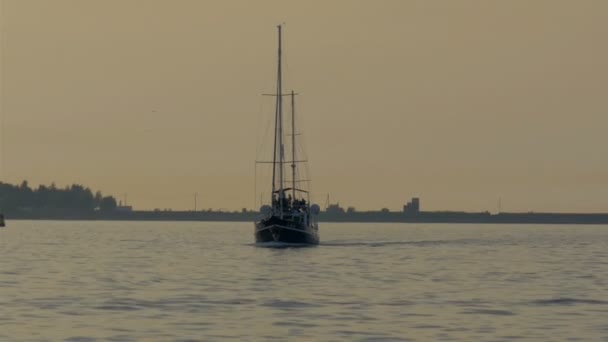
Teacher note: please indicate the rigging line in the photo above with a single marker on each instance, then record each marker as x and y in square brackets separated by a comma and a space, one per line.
[285, 60]
[262, 141]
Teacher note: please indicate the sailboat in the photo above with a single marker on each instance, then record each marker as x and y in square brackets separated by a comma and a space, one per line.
[290, 219]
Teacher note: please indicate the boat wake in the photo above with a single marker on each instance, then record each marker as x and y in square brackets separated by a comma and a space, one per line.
[279, 244]
[338, 243]
[385, 243]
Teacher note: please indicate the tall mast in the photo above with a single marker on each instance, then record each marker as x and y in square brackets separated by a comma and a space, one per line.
[293, 145]
[280, 100]
[274, 152]
[279, 124]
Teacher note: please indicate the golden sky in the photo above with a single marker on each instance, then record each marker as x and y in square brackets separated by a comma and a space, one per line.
[458, 102]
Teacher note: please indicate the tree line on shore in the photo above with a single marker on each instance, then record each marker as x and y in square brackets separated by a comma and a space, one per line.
[73, 198]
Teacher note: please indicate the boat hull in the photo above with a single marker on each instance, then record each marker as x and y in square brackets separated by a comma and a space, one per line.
[281, 231]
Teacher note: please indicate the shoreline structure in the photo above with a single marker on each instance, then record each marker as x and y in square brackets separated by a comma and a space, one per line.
[328, 216]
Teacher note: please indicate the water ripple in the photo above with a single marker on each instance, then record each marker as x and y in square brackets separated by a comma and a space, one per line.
[197, 281]
[489, 312]
[569, 301]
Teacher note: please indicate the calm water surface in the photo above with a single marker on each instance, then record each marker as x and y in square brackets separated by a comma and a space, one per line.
[206, 281]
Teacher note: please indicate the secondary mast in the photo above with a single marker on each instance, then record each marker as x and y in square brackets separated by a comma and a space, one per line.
[293, 145]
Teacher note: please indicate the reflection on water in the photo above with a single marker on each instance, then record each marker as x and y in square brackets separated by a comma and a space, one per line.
[166, 281]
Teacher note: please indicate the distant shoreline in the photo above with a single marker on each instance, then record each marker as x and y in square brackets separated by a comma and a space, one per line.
[354, 217]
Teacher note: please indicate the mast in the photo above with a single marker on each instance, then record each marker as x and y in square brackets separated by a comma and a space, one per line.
[278, 131]
[293, 145]
[280, 101]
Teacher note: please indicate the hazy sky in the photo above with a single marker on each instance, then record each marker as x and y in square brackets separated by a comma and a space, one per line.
[458, 102]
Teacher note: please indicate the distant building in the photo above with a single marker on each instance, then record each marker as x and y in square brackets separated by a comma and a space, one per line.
[412, 207]
[334, 209]
[124, 208]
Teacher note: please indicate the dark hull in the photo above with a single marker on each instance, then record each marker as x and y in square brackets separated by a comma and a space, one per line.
[275, 230]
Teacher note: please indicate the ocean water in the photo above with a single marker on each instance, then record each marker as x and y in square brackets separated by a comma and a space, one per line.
[206, 281]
